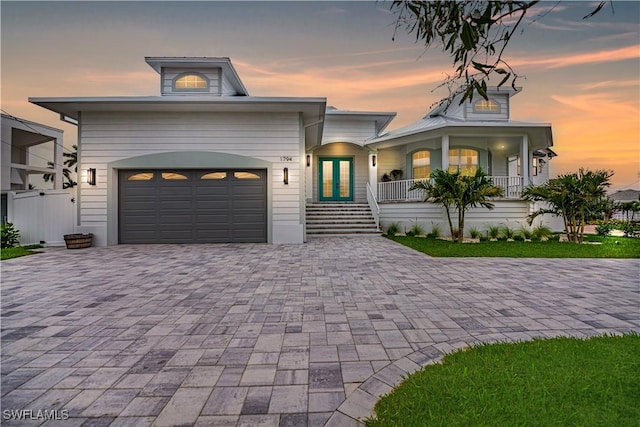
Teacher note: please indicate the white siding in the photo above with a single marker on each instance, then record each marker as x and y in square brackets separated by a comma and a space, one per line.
[391, 158]
[168, 74]
[109, 137]
[226, 88]
[342, 129]
[503, 115]
[512, 213]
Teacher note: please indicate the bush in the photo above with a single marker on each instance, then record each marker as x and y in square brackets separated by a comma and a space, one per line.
[435, 231]
[416, 230]
[541, 232]
[603, 229]
[10, 236]
[493, 232]
[508, 232]
[393, 229]
[474, 233]
[526, 233]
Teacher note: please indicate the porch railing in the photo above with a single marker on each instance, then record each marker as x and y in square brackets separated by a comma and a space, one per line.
[395, 191]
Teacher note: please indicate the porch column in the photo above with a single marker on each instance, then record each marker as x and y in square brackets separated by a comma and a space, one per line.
[525, 161]
[445, 152]
[58, 161]
[373, 173]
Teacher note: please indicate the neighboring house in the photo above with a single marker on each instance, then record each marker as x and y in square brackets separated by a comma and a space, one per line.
[206, 162]
[20, 138]
[626, 197]
[40, 215]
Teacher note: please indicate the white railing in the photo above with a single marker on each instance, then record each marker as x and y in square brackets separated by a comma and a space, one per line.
[373, 205]
[394, 191]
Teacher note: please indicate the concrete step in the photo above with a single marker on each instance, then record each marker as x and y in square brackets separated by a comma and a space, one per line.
[340, 219]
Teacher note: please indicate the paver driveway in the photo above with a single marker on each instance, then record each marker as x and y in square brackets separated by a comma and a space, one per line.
[271, 335]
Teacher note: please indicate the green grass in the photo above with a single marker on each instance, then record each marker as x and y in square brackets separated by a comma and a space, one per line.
[624, 248]
[551, 382]
[18, 251]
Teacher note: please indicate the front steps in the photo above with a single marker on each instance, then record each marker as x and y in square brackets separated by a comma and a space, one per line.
[339, 219]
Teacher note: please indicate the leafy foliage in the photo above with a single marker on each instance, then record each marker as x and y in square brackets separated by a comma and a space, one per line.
[575, 197]
[10, 236]
[455, 191]
[474, 33]
[70, 161]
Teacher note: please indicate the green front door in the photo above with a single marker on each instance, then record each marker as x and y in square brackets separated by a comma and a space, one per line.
[336, 179]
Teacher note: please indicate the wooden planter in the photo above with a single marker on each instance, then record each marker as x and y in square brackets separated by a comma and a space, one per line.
[78, 241]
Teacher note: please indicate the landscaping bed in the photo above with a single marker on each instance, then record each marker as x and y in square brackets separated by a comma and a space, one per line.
[600, 247]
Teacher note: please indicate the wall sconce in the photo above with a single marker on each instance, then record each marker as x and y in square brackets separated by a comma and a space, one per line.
[373, 161]
[308, 160]
[91, 176]
[286, 176]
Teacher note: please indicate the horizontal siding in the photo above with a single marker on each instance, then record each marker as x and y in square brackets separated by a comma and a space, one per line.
[503, 100]
[226, 88]
[109, 137]
[168, 74]
[390, 159]
[347, 130]
[506, 213]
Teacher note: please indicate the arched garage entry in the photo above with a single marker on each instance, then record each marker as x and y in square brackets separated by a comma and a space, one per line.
[190, 197]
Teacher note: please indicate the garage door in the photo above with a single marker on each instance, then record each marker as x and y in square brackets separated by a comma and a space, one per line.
[192, 206]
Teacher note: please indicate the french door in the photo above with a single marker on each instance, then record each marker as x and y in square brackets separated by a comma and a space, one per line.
[336, 179]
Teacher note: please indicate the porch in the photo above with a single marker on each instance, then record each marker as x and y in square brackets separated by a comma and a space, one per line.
[398, 191]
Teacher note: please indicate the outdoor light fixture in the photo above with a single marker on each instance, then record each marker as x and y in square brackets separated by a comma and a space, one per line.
[308, 160]
[373, 160]
[286, 176]
[91, 176]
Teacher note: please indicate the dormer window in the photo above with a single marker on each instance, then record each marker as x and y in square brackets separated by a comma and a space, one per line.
[486, 106]
[190, 82]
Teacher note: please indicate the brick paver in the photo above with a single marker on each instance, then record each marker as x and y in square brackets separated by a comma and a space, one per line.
[256, 334]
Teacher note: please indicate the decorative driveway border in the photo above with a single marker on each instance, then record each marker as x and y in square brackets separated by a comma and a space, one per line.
[273, 335]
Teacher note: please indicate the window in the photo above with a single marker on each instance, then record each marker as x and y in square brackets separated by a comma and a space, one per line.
[421, 163]
[464, 160]
[486, 106]
[191, 82]
[536, 166]
[214, 175]
[245, 175]
[143, 176]
[172, 176]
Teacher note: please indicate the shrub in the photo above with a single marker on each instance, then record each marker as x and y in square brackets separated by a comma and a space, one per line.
[393, 229]
[435, 231]
[540, 232]
[526, 233]
[603, 229]
[508, 232]
[518, 238]
[416, 230]
[474, 233]
[493, 232]
[10, 236]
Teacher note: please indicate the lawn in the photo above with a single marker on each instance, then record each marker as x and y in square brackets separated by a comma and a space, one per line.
[609, 247]
[18, 251]
[550, 382]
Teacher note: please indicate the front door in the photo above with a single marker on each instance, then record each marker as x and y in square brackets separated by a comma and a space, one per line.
[336, 179]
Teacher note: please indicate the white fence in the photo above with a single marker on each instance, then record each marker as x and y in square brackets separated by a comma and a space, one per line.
[395, 191]
[42, 216]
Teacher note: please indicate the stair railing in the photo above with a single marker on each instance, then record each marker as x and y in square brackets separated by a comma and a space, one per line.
[373, 205]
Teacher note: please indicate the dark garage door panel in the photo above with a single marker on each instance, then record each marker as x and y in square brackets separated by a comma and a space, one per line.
[193, 210]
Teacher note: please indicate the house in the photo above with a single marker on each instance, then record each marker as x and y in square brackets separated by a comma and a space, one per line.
[31, 150]
[204, 161]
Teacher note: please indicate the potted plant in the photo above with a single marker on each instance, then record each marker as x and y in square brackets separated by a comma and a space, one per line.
[78, 240]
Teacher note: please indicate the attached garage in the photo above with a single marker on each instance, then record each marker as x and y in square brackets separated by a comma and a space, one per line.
[192, 206]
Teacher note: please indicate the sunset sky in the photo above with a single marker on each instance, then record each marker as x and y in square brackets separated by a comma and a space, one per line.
[582, 76]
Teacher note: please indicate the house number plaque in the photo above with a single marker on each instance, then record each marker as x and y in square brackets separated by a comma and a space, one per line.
[286, 158]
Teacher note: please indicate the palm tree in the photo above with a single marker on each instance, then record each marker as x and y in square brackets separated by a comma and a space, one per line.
[462, 192]
[70, 161]
[575, 197]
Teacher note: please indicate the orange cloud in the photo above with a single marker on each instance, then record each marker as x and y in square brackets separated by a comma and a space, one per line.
[629, 52]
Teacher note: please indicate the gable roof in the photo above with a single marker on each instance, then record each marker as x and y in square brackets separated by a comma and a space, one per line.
[382, 118]
[224, 63]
